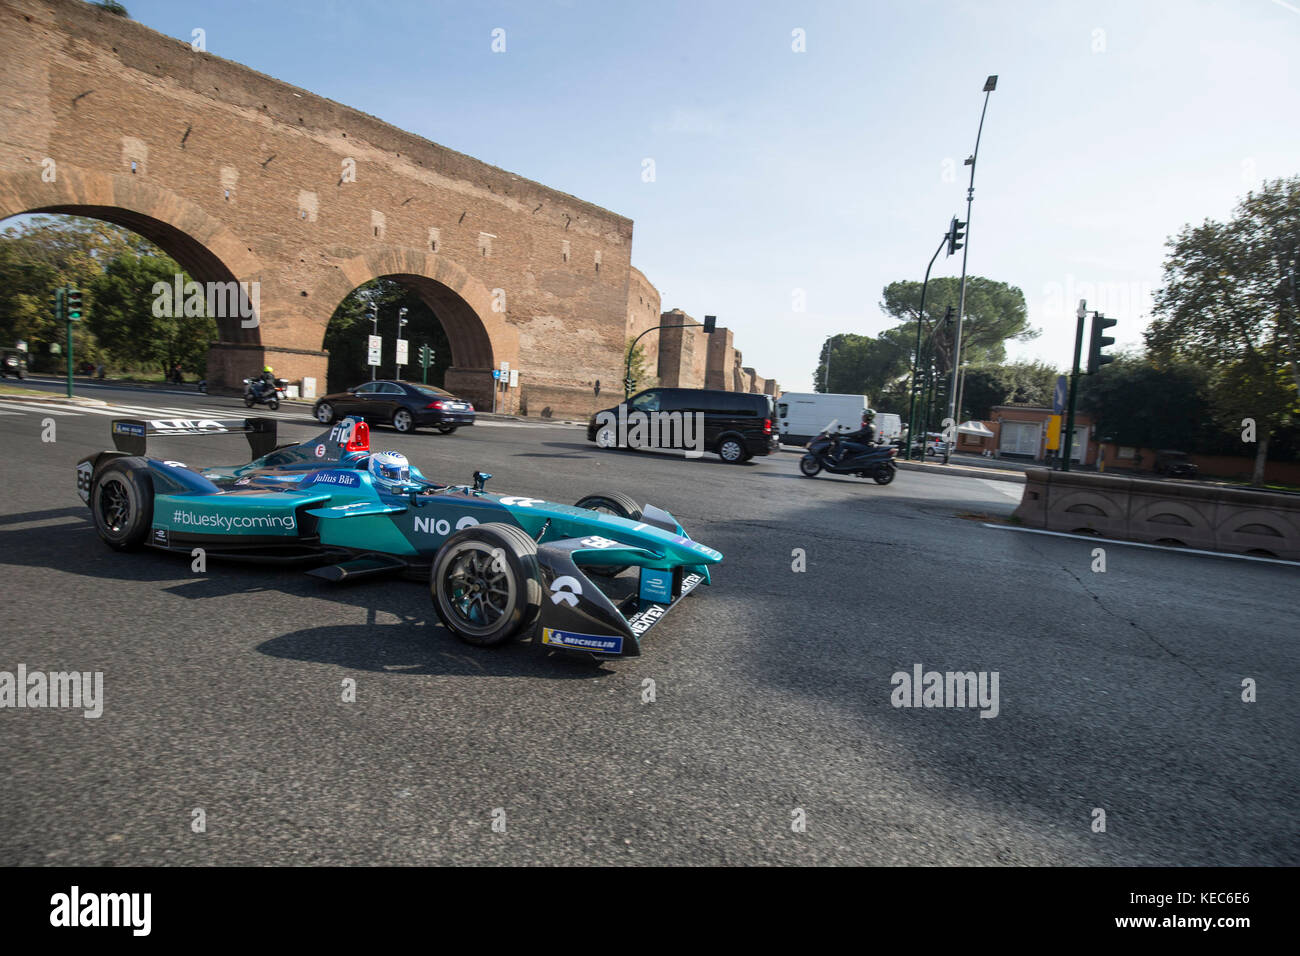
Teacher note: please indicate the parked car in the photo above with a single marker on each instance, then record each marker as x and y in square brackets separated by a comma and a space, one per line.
[404, 405]
[736, 425]
[934, 444]
[13, 362]
[1175, 464]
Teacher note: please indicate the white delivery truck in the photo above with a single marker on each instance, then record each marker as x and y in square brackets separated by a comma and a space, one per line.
[801, 416]
[889, 428]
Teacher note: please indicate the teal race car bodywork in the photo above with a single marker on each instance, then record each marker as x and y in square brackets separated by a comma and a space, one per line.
[498, 565]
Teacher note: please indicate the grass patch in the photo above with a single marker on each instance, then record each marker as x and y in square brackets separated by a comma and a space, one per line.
[17, 390]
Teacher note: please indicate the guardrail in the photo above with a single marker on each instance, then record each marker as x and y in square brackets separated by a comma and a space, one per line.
[1237, 520]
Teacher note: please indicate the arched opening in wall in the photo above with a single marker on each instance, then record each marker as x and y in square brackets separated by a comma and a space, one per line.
[436, 316]
[154, 298]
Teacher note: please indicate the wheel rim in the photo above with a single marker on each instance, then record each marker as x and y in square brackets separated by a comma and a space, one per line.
[731, 450]
[114, 505]
[605, 438]
[402, 421]
[323, 414]
[809, 466]
[476, 592]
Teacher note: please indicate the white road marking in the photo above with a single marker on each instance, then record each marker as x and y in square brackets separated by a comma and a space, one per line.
[1142, 544]
[39, 408]
[1007, 488]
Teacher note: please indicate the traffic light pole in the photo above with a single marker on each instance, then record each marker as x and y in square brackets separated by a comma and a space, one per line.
[916, 359]
[1067, 440]
[627, 370]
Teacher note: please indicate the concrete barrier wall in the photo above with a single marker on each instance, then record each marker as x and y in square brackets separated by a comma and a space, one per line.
[1163, 512]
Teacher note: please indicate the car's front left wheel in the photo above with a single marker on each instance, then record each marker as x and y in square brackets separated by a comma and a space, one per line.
[486, 583]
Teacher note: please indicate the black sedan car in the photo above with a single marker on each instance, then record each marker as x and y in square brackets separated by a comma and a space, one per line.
[404, 405]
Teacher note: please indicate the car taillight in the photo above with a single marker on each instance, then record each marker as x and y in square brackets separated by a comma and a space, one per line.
[434, 405]
[767, 426]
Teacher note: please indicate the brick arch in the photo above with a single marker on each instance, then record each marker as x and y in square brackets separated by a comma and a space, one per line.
[479, 336]
[202, 245]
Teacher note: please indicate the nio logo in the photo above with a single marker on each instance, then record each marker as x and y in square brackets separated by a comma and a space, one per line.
[522, 502]
[441, 526]
[565, 589]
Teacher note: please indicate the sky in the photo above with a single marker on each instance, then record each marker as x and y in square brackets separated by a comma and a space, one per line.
[818, 176]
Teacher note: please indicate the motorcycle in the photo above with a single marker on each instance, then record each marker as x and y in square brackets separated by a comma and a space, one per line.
[257, 392]
[875, 462]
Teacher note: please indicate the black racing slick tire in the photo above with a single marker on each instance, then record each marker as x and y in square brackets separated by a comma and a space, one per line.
[809, 466]
[121, 503]
[884, 474]
[613, 503]
[486, 583]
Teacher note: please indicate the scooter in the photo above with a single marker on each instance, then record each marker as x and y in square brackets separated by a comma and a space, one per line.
[257, 392]
[875, 462]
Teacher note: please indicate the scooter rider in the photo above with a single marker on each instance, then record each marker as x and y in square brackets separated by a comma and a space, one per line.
[855, 442]
[265, 381]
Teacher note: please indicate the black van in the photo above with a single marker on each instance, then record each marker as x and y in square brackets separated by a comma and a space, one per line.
[736, 425]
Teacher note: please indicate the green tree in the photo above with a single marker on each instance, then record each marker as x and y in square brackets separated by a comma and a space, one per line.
[995, 313]
[1136, 402]
[1230, 303]
[123, 315]
[638, 365]
[1019, 383]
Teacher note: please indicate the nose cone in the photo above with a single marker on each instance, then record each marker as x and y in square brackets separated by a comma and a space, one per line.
[692, 552]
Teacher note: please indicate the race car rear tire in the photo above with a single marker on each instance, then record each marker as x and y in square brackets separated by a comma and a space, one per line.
[486, 584]
[121, 503]
[615, 503]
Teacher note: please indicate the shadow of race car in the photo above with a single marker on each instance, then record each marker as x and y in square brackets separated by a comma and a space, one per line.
[498, 566]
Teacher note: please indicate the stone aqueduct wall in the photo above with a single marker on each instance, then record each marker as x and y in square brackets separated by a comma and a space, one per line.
[243, 177]
[1190, 514]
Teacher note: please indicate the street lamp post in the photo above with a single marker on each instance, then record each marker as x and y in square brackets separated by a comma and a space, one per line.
[990, 85]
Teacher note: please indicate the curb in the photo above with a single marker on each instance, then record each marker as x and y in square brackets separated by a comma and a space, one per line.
[56, 399]
[964, 472]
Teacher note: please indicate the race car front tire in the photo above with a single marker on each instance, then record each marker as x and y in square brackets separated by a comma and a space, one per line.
[614, 503]
[486, 584]
[121, 503]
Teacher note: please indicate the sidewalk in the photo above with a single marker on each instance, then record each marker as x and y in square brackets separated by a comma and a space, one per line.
[989, 472]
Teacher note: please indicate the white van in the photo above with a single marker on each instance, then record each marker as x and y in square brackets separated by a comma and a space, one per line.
[801, 416]
[889, 427]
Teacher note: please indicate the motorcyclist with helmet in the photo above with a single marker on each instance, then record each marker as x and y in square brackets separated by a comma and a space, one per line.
[853, 443]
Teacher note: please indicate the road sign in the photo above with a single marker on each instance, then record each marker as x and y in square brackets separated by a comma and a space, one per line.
[1058, 398]
[514, 378]
[505, 367]
[401, 351]
[1053, 433]
[374, 351]
[496, 373]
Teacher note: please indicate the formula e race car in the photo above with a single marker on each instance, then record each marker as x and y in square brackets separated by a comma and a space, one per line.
[497, 565]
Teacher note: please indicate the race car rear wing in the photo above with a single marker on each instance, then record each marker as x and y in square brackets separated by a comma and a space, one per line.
[131, 435]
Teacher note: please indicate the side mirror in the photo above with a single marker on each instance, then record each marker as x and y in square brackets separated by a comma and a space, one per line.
[480, 479]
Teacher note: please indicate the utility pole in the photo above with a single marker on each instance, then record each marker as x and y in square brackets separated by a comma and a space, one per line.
[947, 240]
[990, 85]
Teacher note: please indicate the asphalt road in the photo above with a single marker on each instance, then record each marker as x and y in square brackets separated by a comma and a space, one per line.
[1118, 690]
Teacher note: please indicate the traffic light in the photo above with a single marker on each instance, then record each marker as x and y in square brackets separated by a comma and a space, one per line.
[956, 233]
[74, 305]
[56, 304]
[710, 323]
[1098, 342]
